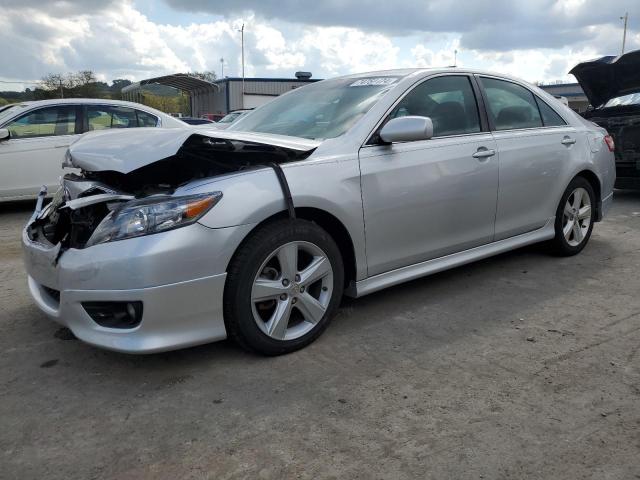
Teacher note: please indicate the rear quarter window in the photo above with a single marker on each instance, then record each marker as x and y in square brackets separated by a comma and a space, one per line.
[549, 117]
[146, 119]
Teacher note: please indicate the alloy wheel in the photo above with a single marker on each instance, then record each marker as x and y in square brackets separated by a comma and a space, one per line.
[576, 217]
[292, 290]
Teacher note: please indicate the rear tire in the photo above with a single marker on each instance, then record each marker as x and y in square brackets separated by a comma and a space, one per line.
[574, 218]
[283, 286]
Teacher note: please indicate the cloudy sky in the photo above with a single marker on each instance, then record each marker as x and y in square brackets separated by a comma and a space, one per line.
[539, 40]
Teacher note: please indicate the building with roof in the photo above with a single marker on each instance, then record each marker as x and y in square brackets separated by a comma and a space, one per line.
[572, 92]
[221, 96]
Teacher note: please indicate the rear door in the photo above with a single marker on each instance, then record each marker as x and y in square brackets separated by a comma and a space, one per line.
[429, 198]
[534, 149]
[33, 155]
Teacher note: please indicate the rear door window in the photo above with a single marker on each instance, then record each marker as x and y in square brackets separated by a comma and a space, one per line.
[101, 117]
[45, 122]
[449, 101]
[511, 106]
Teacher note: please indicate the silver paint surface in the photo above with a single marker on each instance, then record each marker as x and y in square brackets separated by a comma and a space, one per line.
[410, 209]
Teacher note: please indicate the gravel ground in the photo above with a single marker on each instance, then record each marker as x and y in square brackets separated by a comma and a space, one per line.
[520, 366]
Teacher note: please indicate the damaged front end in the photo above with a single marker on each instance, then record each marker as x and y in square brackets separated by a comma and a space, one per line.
[69, 220]
[114, 199]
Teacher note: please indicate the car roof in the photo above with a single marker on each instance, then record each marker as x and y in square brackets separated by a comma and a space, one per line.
[418, 72]
[88, 101]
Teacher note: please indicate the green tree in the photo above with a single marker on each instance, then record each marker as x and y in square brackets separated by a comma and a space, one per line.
[167, 104]
[116, 87]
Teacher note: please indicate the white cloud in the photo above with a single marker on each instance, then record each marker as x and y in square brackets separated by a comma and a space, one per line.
[423, 57]
[114, 39]
[342, 50]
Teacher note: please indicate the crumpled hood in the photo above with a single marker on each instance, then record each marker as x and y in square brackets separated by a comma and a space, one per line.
[609, 77]
[127, 150]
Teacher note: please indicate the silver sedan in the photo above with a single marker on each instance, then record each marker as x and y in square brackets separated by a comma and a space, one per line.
[172, 238]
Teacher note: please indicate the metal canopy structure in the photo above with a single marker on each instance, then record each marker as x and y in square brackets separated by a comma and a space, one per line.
[222, 95]
[181, 81]
[195, 87]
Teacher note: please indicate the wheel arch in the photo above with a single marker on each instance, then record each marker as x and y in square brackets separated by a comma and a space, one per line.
[594, 181]
[328, 222]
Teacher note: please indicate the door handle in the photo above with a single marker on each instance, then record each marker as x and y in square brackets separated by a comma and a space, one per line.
[484, 153]
[568, 141]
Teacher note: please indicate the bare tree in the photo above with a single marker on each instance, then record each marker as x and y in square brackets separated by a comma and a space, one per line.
[56, 82]
[84, 77]
[207, 75]
[85, 84]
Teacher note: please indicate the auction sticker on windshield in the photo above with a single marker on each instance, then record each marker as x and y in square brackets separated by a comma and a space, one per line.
[377, 81]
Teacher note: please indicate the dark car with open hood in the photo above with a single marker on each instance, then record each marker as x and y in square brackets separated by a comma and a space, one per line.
[612, 85]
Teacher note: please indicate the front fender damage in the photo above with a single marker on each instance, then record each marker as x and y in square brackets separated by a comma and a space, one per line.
[85, 199]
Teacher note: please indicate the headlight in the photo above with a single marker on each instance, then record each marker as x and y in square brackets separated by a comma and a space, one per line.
[152, 215]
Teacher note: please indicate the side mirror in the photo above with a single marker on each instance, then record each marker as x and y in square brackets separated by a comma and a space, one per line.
[5, 134]
[407, 129]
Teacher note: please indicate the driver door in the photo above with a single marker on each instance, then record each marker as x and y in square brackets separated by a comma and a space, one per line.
[429, 198]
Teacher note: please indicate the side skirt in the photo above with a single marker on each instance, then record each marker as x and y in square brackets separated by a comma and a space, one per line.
[411, 272]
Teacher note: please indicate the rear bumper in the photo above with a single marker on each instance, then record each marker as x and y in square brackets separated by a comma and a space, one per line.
[607, 202]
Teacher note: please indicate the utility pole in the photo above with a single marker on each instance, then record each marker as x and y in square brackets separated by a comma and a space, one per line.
[221, 67]
[624, 32]
[61, 90]
[242, 43]
[455, 58]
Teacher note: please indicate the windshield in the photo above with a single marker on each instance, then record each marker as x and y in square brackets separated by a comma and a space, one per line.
[9, 112]
[631, 99]
[321, 110]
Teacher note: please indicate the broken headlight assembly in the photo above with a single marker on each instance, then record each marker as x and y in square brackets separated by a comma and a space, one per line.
[152, 215]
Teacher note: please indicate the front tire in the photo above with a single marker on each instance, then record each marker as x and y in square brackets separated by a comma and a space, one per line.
[574, 218]
[283, 286]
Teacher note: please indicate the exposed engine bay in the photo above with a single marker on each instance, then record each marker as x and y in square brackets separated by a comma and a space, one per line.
[623, 124]
[612, 86]
[85, 199]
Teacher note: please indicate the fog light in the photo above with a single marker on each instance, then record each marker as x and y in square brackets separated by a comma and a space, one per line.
[123, 315]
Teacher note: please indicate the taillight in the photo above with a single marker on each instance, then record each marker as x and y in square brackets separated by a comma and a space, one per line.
[608, 139]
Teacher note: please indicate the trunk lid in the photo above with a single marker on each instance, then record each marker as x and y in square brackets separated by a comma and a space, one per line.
[609, 77]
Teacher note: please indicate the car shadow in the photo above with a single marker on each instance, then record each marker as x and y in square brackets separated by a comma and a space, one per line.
[469, 296]
[626, 196]
[17, 206]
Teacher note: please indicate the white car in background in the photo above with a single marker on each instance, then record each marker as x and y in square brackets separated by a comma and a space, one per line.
[230, 118]
[34, 137]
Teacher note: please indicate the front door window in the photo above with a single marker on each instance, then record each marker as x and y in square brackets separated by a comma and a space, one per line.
[45, 122]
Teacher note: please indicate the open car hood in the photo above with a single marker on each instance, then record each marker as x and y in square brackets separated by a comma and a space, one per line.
[609, 77]
[124, 151]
